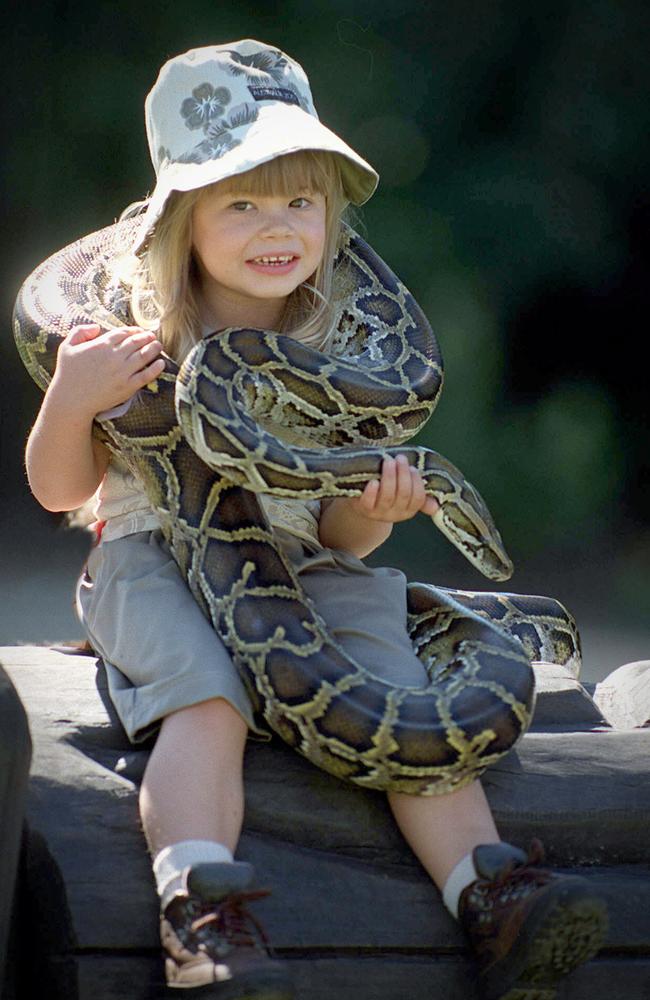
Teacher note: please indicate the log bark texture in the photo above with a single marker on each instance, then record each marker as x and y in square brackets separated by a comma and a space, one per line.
[350, 908]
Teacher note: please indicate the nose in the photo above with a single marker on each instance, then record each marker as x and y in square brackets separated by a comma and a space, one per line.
[276, 222]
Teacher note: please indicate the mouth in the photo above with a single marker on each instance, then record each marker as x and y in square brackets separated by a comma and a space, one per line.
[281, 262]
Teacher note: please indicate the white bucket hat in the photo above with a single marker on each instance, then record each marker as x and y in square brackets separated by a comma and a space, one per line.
[220, 110]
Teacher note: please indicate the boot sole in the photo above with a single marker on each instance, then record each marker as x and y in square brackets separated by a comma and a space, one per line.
[564, 934]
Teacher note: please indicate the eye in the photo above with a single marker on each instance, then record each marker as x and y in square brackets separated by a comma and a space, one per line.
[301, 202]
[241, 206]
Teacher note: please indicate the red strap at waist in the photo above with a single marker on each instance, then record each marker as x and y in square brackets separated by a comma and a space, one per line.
[97, 527]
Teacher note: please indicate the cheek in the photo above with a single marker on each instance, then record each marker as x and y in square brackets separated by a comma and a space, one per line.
[200, 240]
[210, 236]
[317, 236]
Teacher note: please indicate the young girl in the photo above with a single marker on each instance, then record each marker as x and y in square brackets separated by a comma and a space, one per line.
[241, 232]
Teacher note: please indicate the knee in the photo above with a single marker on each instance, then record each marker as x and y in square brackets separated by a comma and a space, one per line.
[213, 714]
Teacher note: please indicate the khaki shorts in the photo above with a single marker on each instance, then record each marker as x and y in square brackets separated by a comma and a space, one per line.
[161, 654]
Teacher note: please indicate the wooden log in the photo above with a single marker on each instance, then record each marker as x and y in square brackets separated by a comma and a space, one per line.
[563, 702]
[586, 793]
[15, 755]
[368, 977]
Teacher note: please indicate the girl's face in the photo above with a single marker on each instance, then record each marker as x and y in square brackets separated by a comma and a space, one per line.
[254, 250]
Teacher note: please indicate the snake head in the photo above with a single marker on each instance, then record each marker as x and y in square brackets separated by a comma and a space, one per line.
[474, 534]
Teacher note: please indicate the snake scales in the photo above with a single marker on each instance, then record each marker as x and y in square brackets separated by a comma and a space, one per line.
[338, 417]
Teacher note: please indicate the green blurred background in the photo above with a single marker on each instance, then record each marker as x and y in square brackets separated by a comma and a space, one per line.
[513, 145]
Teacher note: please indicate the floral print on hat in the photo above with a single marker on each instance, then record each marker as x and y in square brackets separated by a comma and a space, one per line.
[205, 104]
[266, 72]
[218, 138]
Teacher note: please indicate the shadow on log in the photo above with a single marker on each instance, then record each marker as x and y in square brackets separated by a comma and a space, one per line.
[350, 909]
[15, 756]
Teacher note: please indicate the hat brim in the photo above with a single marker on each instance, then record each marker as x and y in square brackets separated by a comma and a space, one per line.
[276, 132]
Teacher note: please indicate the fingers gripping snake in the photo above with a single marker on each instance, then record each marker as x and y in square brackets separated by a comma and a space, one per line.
[252, 411]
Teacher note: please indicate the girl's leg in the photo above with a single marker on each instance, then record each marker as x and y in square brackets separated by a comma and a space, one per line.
[527, 926]
[443, 829]
[192, 788]
[192, 806]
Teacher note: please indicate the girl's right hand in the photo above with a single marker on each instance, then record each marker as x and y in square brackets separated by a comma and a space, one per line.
[398, 495]
[97, 370]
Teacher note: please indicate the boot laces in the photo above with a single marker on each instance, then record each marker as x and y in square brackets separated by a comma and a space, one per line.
[517, 879]
[233, 920]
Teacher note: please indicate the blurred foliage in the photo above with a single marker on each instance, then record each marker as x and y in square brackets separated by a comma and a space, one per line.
[513, 145]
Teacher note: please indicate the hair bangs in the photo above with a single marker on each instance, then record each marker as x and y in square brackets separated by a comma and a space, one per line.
[305, 170]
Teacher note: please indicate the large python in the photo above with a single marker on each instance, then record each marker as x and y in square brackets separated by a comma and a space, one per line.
[252, 411]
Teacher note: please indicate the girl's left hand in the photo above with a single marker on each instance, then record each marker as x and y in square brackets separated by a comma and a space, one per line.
[398, 496]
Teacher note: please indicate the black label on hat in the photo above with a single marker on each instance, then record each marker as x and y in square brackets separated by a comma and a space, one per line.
[274, 94]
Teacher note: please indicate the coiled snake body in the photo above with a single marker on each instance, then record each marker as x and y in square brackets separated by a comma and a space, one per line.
[253, 411]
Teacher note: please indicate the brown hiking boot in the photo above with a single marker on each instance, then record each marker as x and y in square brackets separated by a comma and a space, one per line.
[527, 926]
[211, 939]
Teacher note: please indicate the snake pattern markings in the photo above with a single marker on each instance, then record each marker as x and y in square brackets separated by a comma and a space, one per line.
[253, 411]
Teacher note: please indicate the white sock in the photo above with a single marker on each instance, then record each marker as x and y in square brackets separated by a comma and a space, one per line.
[170, 863]
[462, 875]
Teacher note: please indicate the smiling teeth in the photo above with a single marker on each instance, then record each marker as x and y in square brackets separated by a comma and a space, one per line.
[273, 260]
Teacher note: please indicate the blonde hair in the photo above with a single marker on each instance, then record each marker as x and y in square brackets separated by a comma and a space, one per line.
[164, 278]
